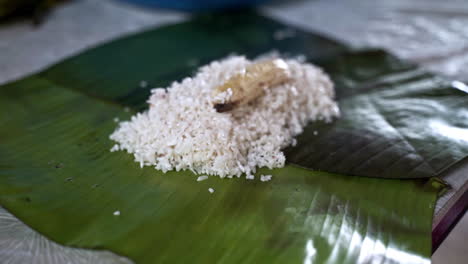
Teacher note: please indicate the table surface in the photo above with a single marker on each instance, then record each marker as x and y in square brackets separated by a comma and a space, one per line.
[431, 33]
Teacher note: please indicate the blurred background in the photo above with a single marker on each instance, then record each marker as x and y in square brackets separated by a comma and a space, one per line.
[432, 33]
[35, 34]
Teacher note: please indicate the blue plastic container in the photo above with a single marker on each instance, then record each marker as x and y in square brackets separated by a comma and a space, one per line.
[198, 5]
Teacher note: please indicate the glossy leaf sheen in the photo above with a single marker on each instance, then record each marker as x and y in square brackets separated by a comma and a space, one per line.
[58, 176]
[397, 121]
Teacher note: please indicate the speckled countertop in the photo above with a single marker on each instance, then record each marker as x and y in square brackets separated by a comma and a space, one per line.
[432, 33]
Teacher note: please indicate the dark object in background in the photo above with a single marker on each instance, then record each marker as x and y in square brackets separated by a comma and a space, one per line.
[33, 9]
[198, 5]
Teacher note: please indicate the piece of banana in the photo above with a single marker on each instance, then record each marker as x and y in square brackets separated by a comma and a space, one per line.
[244, 87]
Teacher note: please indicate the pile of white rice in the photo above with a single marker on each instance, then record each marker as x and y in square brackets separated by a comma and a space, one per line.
[182, 130]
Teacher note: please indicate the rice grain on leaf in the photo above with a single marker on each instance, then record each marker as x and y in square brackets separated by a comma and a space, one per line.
[183, 130]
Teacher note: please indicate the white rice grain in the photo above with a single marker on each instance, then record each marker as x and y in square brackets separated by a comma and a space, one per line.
[202, 178]
[114, 148]
[181, 130]
[265, 178]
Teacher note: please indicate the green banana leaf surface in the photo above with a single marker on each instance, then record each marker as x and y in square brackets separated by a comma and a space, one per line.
[58, 176]
[397, 120]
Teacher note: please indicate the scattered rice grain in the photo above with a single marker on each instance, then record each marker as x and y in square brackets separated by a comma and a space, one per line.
[114, 148]
[202, 178]
[265, 178]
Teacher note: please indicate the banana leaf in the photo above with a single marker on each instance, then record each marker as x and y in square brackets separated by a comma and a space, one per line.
[58, 176]
[398, 120]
